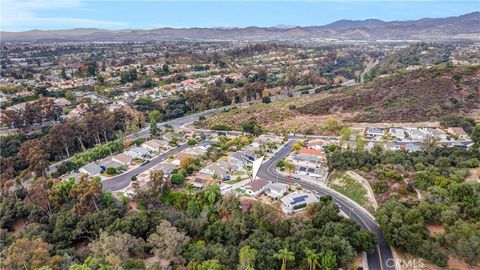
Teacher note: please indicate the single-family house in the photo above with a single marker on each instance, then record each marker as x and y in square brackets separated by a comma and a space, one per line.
[92, 169]
[167, 168]
[416, 134]
[310, 171]
[201, 181]
[458, 132]
[256, 187]
[374, 133]
[312, 152]
[297, 201]
[110, 164]
[317, 144]
[216, 171]
[276, 190]
[398, 133]
[122, 158]
[137, 152]
[155, 145]
[437, 133]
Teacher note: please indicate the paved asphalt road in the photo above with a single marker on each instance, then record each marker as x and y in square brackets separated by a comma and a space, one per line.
[382, 254]
[122, 181]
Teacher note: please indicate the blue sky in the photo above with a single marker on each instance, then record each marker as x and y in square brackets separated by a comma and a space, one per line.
[20, 15]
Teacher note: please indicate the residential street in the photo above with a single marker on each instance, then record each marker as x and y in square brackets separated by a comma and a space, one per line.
[382, 254]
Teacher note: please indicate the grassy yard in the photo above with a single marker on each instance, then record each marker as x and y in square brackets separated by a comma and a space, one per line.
[346, 185]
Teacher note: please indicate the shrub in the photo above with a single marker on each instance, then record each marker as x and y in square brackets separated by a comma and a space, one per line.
[177, 178]
[221, 127]
[111, 171]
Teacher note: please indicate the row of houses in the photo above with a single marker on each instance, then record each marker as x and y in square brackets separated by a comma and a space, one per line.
[143, 152]
[416, 134]
[291, 202]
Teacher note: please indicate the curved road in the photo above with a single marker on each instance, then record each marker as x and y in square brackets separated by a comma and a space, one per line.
[378, 259]
[122, 181]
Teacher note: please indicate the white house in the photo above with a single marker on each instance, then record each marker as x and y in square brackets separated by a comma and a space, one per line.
[297, 201]
[92, 169]
[276, 190]
[398, 133]
[154, 145]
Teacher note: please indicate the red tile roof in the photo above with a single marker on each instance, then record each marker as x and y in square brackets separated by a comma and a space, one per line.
[313, 152]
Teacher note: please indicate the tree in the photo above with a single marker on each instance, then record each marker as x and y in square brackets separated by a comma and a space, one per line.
[312, 258]
[155, 115]
[27, 254]
[38, 195]
[328, 260]
[157, 182]
[345, 134]
[463, 240]
[177, 178]
[266, 99]
[476, 134]
[154, 128]
[210, 265]
[297, 146]
[167, 241]
[116, 248]
[430, 144]
[289, 166]
[360, 142]
[247, 256]
[285, 256]
[34, 153]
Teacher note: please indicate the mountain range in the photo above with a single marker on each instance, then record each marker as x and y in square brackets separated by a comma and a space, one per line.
[464, 27]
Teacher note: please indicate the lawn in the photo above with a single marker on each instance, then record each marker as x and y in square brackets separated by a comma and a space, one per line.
[346, 185]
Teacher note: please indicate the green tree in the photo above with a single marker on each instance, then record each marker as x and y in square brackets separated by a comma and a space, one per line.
[167, 241]
[312, 258]
[154, 128]
[285, 256]
[211, 265]
[463, 240]
[476, 134]
[247, 256]
[430, 144]
[155, 115]
[345, 134]
[328, 260]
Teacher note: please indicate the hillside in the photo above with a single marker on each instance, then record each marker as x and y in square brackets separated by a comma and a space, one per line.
[414, 96]
[413, 55]
[464, 27]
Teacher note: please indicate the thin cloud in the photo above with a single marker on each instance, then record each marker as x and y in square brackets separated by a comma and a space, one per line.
[20, 14]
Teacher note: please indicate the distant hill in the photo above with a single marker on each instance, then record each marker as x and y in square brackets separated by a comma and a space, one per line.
[464, 27]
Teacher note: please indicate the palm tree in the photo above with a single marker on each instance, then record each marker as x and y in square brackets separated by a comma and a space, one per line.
[285, 255]
[312, 258]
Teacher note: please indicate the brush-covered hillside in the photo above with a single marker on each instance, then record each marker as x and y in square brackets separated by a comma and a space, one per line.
[407, 96]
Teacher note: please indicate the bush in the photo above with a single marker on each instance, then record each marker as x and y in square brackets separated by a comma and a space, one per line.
[177, 178]
[221, 127]
[111, 171]
[266, 99]
[191, 142]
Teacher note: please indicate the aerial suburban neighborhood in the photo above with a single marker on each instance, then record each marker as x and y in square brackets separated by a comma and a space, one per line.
[319, 135]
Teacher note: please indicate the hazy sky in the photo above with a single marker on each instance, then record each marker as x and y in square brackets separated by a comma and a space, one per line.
[19, 15]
